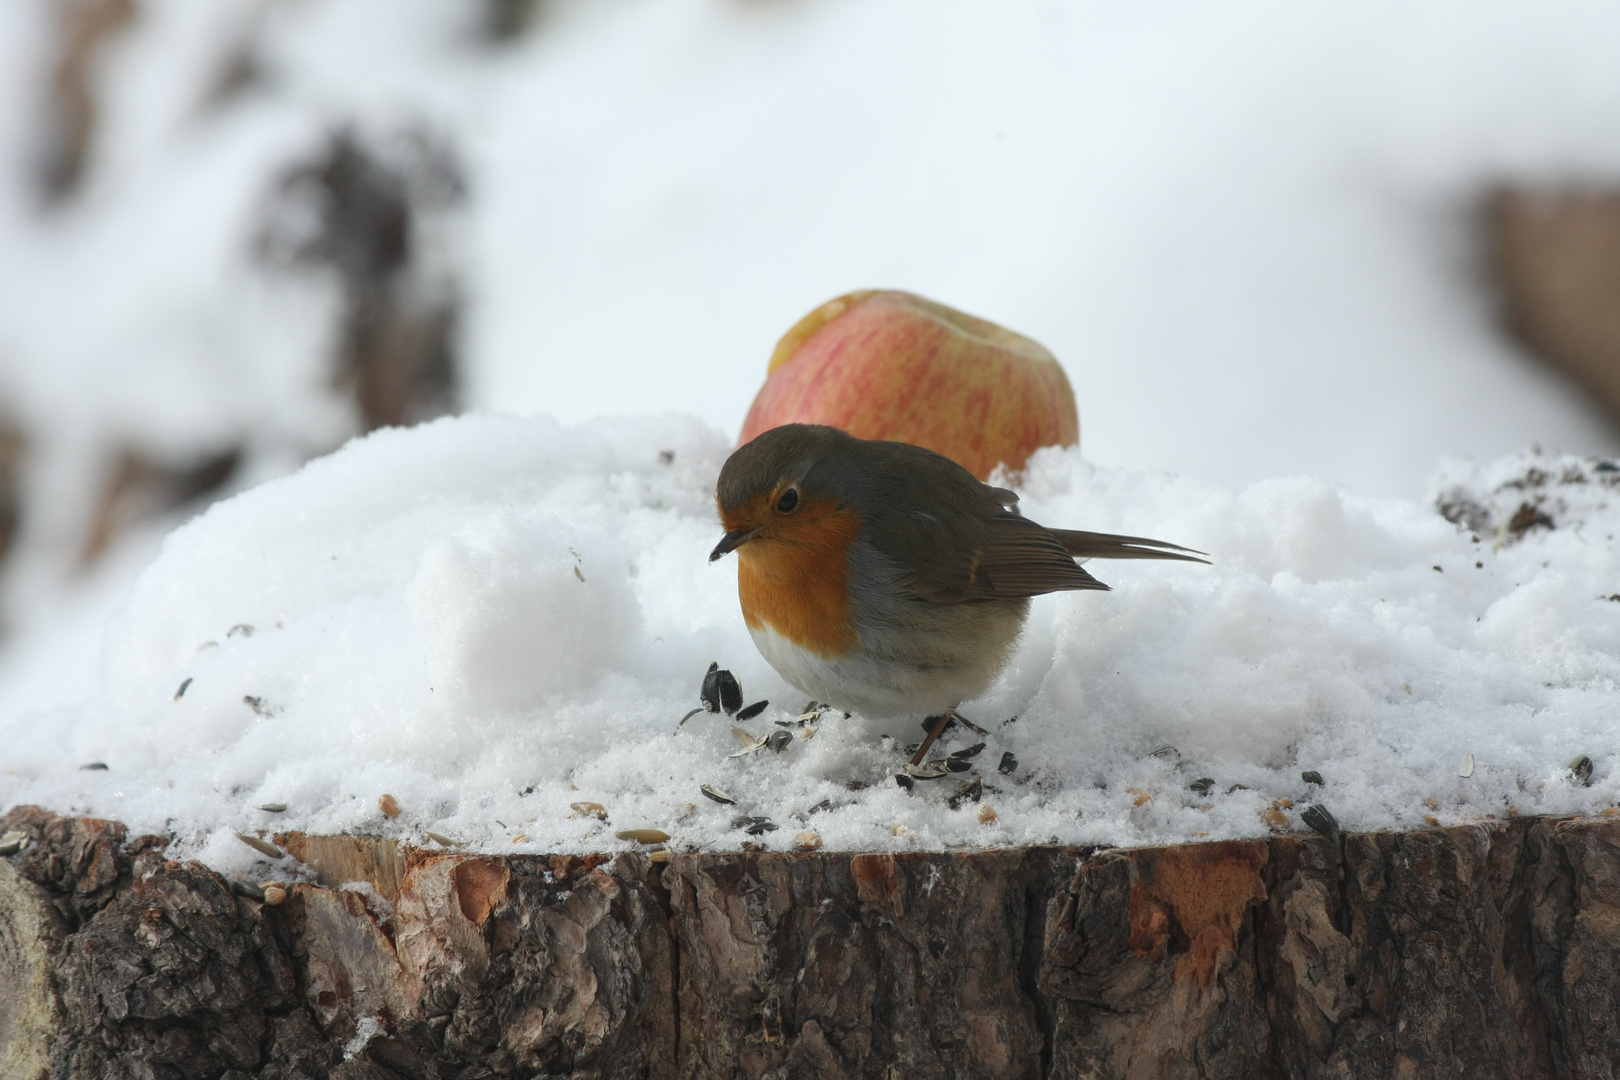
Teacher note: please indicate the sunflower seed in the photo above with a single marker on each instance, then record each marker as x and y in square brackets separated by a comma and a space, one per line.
[904, 781]
[1466, 769]
[779, 740]
[717, 795]
[94, 766]
[274, 895]
[966, 793]
[752, 711]
[720, 691]
[659, 856]
[760, 828]
[263, 847]
[441, 839]
[246, 889]
[1165, 752]
[273, 807]
[180, 693]
[689, 716]
[1311, 776]
[1581, 770]
[928, 770]
[956, 764]
[750, 742]
[1202, 786]
[807, 841]
[12, 842]
[1009, 764]
[971, 751]
[1317, 817]
[389, 805]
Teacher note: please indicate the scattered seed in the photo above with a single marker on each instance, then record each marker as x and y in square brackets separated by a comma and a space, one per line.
[824, 804]
[987, 814]
[752, 711]
[1165, 752]
[720, 691]
[241, 629]
[592, 809]
[1009, 764]
[184, 686]
[273, 807]
[579, 575]
[956, 764]
[779, 740]
[1581, 769]
[807, 733]
[1311, 776]
[659, 856]
[94, 766]
[1141, 796]
[969, 752]
[760, 828]
[12, 842]
[807, 841]
[1282, 804]
[689, 716]
[1431, 802]
[1237, 787]
[274, 895]
[520, 837]
[966, 793]
[666, 457]
[643, 836]
[1431, 819]
[899, 830]
[904, 781]
[441, 839]
[1466, 769]
[750, 742]
[246, 889]
[263, 847]
[389, 805]
[1275, 818]
[928, 770]
[1319, 819]
[258, 705]
[1203, 785]
[1608, 811]
[717, 795]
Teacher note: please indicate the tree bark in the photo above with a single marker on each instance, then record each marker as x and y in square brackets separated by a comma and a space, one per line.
[1486, 950]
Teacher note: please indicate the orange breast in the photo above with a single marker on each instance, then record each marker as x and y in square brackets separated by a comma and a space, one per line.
[796, 580]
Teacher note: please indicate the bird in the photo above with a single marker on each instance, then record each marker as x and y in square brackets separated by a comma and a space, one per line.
[885, 579]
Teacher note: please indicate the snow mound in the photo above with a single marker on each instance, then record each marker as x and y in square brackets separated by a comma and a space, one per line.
[494, 619]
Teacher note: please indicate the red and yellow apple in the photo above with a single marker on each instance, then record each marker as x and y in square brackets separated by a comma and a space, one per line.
[884, 364]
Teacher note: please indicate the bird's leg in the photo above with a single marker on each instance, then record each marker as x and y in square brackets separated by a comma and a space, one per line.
[944, 721]
[975, 728]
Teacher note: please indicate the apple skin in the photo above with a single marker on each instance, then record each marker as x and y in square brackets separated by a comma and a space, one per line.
[884, 364]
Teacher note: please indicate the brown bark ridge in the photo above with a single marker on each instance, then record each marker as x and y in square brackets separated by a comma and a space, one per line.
[1485, 950]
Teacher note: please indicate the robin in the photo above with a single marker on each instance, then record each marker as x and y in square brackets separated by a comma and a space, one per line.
[885, 579]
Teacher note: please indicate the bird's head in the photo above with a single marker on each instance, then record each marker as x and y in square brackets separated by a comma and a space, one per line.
[780, 489]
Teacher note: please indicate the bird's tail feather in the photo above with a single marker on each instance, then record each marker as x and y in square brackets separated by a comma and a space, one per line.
[1091, 545]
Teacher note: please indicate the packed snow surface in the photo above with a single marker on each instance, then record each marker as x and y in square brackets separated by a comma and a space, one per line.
[492, 619]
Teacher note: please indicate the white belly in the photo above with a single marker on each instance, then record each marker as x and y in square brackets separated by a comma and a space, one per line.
[875, 687]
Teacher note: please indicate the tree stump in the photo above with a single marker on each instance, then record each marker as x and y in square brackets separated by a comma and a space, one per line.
[1484, 950]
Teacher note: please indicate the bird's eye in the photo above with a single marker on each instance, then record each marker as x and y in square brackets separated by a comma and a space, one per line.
[788, 501]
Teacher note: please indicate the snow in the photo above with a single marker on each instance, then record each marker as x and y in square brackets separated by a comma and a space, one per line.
[1247, 232]
[494, 618]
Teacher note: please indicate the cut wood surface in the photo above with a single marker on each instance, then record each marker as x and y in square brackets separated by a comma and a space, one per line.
[1484, 950]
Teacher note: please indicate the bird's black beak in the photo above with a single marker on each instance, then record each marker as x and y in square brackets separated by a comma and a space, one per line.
[730, 542]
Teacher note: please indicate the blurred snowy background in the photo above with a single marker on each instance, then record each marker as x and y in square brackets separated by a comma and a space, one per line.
[1264, 240]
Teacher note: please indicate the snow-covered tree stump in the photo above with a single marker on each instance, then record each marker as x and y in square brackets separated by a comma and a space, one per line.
[1486, 950]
